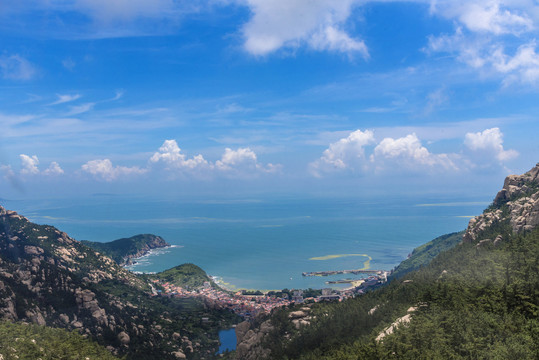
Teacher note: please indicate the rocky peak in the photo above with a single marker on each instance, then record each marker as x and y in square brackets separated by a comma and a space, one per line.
[517, 203]
[517, 186]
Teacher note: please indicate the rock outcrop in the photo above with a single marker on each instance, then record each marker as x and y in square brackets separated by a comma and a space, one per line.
[517, 203]
[250, 340]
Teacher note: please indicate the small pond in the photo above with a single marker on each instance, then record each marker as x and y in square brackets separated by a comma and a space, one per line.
[227, 339]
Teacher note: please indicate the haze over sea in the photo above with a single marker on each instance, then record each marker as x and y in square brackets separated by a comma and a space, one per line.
[262, 243]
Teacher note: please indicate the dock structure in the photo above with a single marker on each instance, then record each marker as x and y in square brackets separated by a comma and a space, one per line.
[337, 272]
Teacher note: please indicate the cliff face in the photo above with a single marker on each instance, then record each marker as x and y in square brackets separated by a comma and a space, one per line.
[516, 204]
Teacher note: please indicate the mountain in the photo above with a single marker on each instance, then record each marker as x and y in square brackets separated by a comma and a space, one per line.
[124, 250]
[48, 278]
[476, 300]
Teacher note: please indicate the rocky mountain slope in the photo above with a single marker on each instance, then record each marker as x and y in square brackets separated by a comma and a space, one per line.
[516, 204]
[48, 278]
[478, 299]
[125, 250]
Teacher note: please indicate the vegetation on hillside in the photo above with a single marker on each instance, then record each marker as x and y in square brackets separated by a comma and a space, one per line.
[188, 276]
[471, 302]
[31, 342]
[424, 254]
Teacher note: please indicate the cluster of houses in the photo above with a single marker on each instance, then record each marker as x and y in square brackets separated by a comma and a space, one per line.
[248, 306]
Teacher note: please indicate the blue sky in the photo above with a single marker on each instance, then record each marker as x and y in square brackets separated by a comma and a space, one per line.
[278, 97]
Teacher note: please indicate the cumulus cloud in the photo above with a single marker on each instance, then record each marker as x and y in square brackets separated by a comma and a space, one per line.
[239, 162]
[242, 160]
[104, 170]
[170, 154]
[493, 36]
[347, 153]
[54, 169]
[15, 67]
[408, 152]
[29, 166]
[489, 143]
[401, 154]
[291, 23]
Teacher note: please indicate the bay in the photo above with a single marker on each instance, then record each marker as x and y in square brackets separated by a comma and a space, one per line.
[262, 242]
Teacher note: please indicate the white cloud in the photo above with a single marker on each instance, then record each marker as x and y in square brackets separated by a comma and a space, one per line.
[170, 154]
[492, 17]
[333, 39]
[29, 164]
[104, 170]
[241, 162]
[53, 169]
[291, 23]
[490, 143]
[232, 158]
[497, 37]
[347, 153]
[65, 98]
[15, 67]
[408, 152]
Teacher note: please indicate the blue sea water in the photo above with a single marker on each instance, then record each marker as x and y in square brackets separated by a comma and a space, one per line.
[261, 243]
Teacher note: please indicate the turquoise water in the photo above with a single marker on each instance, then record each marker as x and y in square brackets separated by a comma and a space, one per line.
[227, 338]
[259, 242]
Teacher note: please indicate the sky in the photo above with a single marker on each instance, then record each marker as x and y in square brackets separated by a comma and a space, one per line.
[274, 97]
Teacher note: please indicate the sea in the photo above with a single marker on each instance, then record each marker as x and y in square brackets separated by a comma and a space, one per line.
[262, 242]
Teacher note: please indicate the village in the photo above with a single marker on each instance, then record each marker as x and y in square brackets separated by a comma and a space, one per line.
[249, 305]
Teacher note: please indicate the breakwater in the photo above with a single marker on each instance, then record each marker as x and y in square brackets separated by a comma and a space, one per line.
[337, 272]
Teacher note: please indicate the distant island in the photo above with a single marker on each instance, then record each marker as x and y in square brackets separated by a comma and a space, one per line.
[124, 251]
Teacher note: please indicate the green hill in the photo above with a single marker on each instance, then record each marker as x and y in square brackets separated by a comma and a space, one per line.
[423, 255]
[124, 250]
[188, 276]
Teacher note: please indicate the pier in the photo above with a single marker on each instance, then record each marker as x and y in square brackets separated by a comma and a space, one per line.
[337, 272]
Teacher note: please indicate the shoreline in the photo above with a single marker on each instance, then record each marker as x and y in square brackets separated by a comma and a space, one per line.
[155, 251]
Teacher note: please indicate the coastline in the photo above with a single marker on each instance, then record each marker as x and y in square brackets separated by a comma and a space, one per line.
[149, 253]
